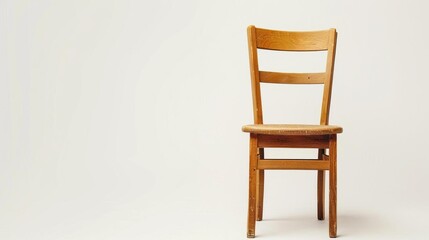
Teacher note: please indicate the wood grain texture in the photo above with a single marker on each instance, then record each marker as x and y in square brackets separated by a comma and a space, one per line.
[292, 129]
[333, 186]
[254, 75]
[253, 161]
[291, 41]
[281, 141]
[292, 78]
[321, 187]
[262, 136]
[260, 176]
[293, 164]
[326, 103]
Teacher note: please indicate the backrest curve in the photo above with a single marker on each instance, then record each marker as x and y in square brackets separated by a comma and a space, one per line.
[322, 40]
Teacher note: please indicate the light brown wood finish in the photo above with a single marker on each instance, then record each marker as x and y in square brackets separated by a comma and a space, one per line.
[254, 75]
[293, 164]
[321, 187]
[292, 78]
[292, 129]
[260, 179]
[281, 141]
[333, 186]
[262, 136]
[253, 161]
[324, 117]
[291, 41]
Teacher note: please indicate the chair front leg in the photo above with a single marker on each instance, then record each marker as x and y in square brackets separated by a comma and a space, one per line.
[251, 214]
[333, 186]
[321, 189]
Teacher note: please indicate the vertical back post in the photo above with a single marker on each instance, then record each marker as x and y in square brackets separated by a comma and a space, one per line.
[324, 118]
[254, 73]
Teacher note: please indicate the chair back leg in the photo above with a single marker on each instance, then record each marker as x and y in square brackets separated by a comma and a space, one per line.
[321, 190]
[260, 179]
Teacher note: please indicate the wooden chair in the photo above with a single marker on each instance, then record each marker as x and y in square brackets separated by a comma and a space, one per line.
[321, 136]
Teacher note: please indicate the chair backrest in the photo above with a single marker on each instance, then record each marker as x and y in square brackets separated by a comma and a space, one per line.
[291, 41]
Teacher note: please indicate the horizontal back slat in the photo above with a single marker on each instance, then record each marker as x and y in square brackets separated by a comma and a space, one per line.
[292, 78]
[292, 41]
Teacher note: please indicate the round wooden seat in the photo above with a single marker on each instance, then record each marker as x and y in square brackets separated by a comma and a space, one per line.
[292, 129]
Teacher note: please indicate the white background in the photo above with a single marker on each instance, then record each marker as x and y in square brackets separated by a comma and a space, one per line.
[122, 119]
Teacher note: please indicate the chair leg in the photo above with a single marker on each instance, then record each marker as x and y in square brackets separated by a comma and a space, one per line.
[260, 179]
[260, 175]
[333, 186]
[251, 214]
[321, 190]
